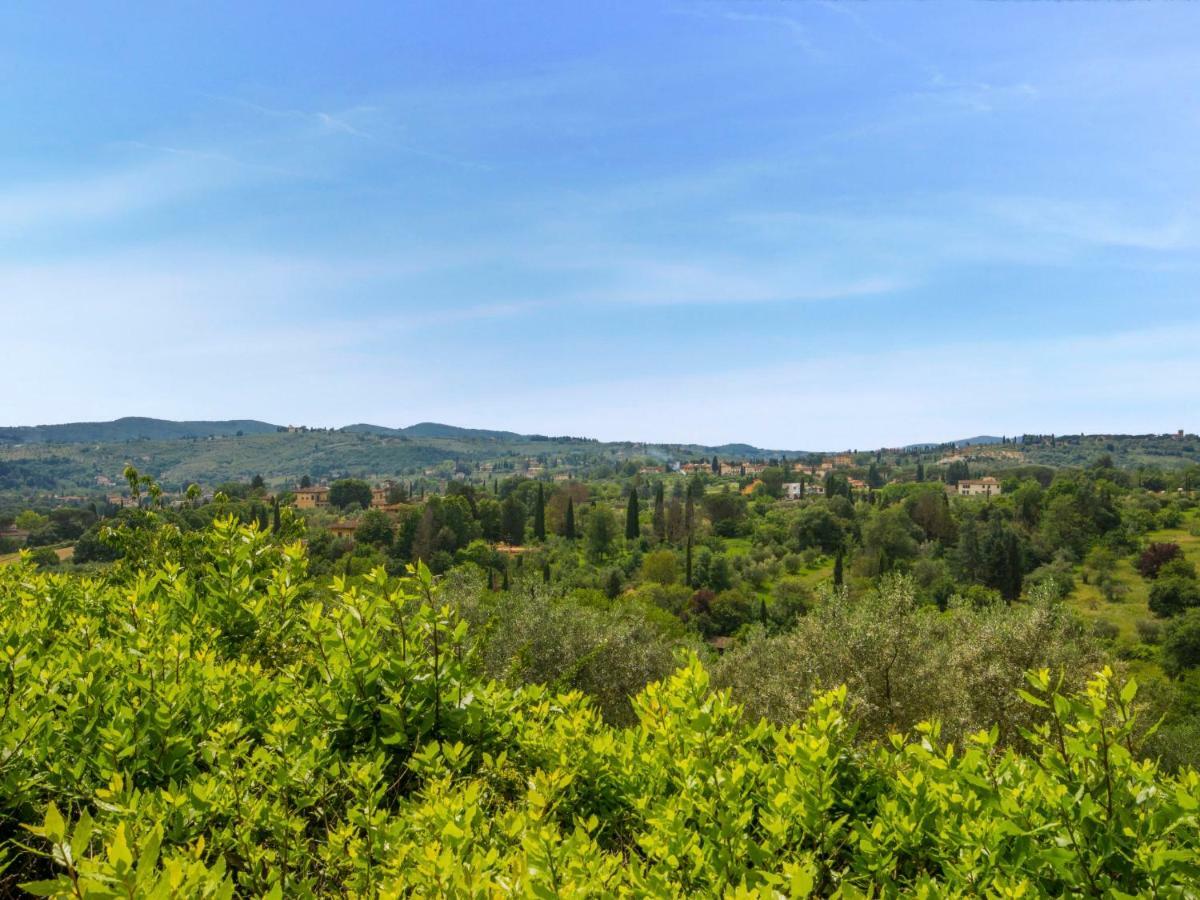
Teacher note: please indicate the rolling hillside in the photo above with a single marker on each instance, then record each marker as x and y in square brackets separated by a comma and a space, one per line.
[83, 458]
[130, 428]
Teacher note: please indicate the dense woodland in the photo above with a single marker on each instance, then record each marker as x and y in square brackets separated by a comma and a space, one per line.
[644, 681]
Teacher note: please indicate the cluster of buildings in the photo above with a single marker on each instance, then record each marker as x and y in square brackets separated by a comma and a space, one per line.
[318, 496]
[744, 468]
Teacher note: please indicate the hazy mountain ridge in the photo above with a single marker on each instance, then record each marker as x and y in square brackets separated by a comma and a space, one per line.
[131, 428]
[434, 430]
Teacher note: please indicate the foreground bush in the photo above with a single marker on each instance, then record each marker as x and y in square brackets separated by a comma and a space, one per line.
[229, 726]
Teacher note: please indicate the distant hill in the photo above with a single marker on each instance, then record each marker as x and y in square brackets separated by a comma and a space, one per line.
[367, 428]
[130, 428]
[745, 450]
[435, 430]
[977, 441]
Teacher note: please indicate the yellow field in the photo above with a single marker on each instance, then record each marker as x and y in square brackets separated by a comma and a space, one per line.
[64, 554]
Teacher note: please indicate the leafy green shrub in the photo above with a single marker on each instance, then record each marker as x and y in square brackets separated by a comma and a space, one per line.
[790, 599]
[1181, 644]
[1055, 576]
[1171, 596]
[44, 558]
[208, 720]
[1179, 567]
[660, 567]
[1149, 631]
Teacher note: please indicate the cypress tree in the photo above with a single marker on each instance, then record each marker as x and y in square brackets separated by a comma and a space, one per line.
[837, 569]
[632, 528]
[716, 465]
[660, 512]
[546, 573]
[920, 471]
[569, 525]
[967, 553]
[275, 516]
[504, 582]
[873, 477]
[612, 584]
[688, 567]
[539, 515]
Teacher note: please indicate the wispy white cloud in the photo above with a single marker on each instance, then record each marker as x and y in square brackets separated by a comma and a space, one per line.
[341, 122]
[798, 33]
[1101, 383]
[102, 196]
[1097, 222]
[919, 237]
[665, 282]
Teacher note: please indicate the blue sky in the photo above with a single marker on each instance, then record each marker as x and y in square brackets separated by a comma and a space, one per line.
[800, 225]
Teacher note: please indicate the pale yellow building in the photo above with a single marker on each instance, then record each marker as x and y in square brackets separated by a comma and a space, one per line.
[311, 497]
[979, 487]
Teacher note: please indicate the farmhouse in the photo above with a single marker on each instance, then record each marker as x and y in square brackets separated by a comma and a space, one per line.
[795, 490]
[343, 529]
[312, 497]
[981, 487]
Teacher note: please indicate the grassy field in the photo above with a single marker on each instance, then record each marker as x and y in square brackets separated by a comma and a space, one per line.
[1133, 606]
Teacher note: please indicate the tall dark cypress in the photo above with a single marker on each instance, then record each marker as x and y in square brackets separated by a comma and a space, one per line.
[920, 471]
[689, 519]
[837, 569]
[633, 528]
[539, 515]
[569, 524]
[275, 517]
[660, 512]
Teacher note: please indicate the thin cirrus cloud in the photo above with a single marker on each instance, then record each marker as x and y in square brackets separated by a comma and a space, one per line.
[99, 197]
[1100, 383]
[341, 122]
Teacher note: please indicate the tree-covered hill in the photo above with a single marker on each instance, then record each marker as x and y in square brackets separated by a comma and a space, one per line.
[131, 428]
[83, 458]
